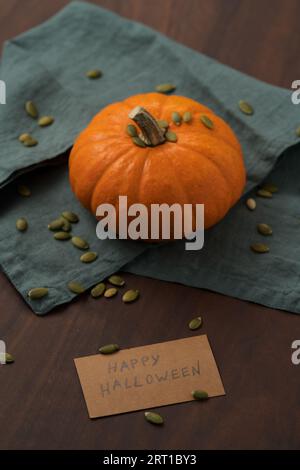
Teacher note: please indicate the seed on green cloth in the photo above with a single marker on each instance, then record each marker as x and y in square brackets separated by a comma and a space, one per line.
[80, 243]
[30, 142]
[206, 121]
[45, 121]
[200, 395]
[22, 224]
[195, 323]
[56, 224]
[264, 229]
[187, 117]
[98, 290]
[259, 248]
[23, 190]
[62, 236]
[110, 292]
[131, 130]
[37, 293]
[171, 136]
[88, 257]
[264, 193]
[109, 349]
[31, 109]
[70, 216]
[251, 204]
[94, 73]
[24, 136]
[9, 358]
[176, 118]
[165, 88]
[116, 280]
[271, 188]
[245, 107]
[75, 287]
[153, 418]
[298, 132]
[130, 296]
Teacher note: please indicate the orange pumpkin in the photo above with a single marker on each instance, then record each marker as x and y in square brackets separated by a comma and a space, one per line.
[205, 165]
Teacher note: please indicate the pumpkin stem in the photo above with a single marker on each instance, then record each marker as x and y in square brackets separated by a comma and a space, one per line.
[152, 134]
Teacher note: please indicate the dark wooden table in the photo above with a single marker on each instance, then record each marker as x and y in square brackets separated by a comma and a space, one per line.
[41, 404]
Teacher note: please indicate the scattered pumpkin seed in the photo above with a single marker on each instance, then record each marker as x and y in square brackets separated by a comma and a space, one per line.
[23, 190]
[30, 142]
[200, 395]
[176, 118]
[260, 248]
[116, 280]
[24, 137]
[131, 295]
[271, 188]
[195, 323]
[56, 224]
[245, 107]
[98, 290]
[22, 224]
[137, 141]
[264, 193]
[132, 130]
[251, 204]
[187, 117]
[111, 292]
[206, 121]
[31, 109]
[75, 287]
[171, 136]
[298, 132]
[70, 216]
[264, 229]
[9, 359]
[80, 243]
[67, 227]
[37, 293]
[163, 124]
[62, 236]
[88, 257]
[154, 418]
[165, 88]
[109, 349]
[45, 121]
[95, 73]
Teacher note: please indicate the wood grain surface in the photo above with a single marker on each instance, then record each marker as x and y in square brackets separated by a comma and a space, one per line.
[41, 403]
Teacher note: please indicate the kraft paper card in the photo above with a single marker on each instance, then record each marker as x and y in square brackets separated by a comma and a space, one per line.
[148, 376]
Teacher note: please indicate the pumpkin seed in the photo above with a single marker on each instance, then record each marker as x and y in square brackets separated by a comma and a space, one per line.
[163, 124]
[131, 295]
[67, 227]
[176, 118]
[80, 243]
[206, 121]
[109, 349]
[271, 188]
[165, 88]
[251, 204]
[70, 216]
[200, 395]
[30, 142]
[24, 137]
[264, 193]
[98, 290]
[62, 236]
[111, 292]
[56, 224]
[31, 109]
[9, 359]
[116, 280]
[298, 132]
[187, 117]
[171, 136]
[131, 130]
[195, 323]
[22, 224]
[264, 229]
[75, 287]
[154, 418]
[137, 141]
[88, 257]
[245, 107]
[260, 248]
[45, 121]
[23, 190]
[95, 73]
[37, 293]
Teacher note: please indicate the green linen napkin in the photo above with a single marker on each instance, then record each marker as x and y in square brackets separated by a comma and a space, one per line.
[48, 65]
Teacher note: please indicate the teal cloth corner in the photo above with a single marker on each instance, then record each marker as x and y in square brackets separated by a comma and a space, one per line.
[48, 64]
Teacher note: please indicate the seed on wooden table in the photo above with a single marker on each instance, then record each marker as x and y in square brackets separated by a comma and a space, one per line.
[264, 193]
[9, 359]
[31, 109]
[245, 107]
[195, 323]
[70, 216]
[206, 121]
[171, 136]
[139, 142]
[22, 224]
[271, 188]
[95, 73]
[251, 204]
[45, 121]
[116, 280]
[75, 287]
[109, 348]
[131, 295]
[187, 117]
[264, 229]
[165, 88]
[176, 118]
[200, 395]
[111, 292]
[56, 224]
[131, 130]
[98, 290]
[37, 293]
[80, 243]
[23, 190]
[260, 248]
[62, 236]
[154, 418]
[88, 257]
[163, 124]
